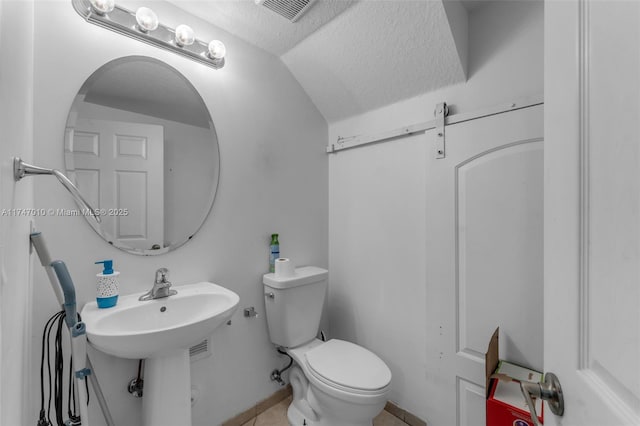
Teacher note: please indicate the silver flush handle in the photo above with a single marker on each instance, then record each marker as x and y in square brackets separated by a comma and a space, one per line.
[549, 390]
[270, 295]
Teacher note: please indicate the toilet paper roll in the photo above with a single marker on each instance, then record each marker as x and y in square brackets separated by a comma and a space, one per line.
[284, 268]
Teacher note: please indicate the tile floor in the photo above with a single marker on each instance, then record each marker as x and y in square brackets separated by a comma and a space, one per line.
[277, 416]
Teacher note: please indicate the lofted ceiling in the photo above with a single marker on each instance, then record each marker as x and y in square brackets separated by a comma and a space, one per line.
[133, 86]
[260, 26]
[353, 56]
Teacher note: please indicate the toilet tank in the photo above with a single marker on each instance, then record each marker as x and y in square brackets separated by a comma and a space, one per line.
[294, 305]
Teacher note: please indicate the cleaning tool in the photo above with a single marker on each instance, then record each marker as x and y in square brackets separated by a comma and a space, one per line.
[81, 365]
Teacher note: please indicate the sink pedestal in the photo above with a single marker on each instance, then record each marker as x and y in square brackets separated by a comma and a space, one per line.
[166, 400]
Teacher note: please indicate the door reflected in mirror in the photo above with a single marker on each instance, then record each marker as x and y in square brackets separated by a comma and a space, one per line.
[140, 145]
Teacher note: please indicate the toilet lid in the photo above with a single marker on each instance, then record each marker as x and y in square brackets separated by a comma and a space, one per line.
[348, 365]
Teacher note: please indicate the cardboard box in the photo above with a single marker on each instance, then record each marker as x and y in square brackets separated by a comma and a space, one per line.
[506, 405]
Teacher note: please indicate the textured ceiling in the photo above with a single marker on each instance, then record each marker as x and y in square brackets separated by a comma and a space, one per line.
[134, 86]
[354, 56]
[472, 5]
[374, 54]
[259, 25]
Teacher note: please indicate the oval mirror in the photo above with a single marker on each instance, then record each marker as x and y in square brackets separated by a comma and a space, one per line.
[141, 147]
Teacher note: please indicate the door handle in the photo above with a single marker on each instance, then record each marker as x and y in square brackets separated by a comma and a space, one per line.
[549, 390]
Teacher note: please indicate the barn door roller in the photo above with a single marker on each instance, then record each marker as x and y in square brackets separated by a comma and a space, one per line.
[440, 113]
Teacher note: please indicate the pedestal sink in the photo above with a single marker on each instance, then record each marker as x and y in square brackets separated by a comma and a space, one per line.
[161, 331]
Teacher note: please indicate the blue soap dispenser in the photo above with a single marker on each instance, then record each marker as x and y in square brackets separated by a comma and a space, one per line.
[107, 285]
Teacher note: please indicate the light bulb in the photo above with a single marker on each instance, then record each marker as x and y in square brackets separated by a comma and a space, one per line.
[102, 7]
[184, 35]
[217, 49]
[147, 19]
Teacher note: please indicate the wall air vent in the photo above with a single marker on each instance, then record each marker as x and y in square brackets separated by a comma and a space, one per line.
[290, 9]
[201, 350]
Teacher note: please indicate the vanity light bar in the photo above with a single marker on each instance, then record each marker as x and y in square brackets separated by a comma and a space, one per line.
[107, 14]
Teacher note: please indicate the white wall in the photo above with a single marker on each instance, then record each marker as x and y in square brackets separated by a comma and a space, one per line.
[377, 199]
[273, 179]
[16, 120]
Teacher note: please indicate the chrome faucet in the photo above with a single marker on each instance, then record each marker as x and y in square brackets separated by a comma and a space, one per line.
[161, 286]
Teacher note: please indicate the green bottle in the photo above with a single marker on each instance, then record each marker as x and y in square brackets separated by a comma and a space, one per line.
[275, 252]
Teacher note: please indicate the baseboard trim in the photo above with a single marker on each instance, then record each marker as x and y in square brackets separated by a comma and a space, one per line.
[279, 395]
[404, 415]
[259, 408]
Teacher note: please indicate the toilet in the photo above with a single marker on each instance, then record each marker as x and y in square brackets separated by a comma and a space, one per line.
[335, 383]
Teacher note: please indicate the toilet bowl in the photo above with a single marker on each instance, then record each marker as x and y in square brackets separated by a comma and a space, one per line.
[335, 383]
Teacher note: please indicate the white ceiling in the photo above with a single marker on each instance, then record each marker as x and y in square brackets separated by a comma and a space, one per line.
[472, 5]
[374, 54]
[354, 56]
[131, 85]
[259, 25]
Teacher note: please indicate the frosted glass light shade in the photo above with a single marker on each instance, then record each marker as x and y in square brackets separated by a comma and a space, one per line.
[147, 19]
[102, 7]
[184, 35]
[217, 50]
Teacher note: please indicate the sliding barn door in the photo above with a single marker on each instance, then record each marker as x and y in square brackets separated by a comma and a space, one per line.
[484, 257]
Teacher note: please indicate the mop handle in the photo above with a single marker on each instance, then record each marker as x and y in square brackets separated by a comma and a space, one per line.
[60, 281]
[66, 294]
[69, 292]
[37, 240]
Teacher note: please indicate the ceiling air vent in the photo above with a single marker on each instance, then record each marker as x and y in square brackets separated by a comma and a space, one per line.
[290, 9]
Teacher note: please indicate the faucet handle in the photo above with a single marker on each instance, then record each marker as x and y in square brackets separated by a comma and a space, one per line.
[161, 287]
[162, 276]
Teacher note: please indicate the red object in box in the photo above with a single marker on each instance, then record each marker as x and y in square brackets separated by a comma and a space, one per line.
[500, 413]
[506, 405]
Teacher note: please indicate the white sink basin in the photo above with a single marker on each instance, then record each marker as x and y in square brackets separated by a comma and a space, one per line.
[136, 329]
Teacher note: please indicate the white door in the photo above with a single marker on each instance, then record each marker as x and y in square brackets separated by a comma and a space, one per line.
[484, 257]
[592, 210]
[119, 166]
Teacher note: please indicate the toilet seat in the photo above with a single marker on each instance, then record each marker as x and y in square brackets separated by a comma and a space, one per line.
[348, 367]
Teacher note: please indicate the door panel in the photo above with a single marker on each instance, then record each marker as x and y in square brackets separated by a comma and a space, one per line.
[484, 256]
[129, 186]
[121, 166]
[499, 206]
[470, 403]
[592, 210]
[612, 311]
